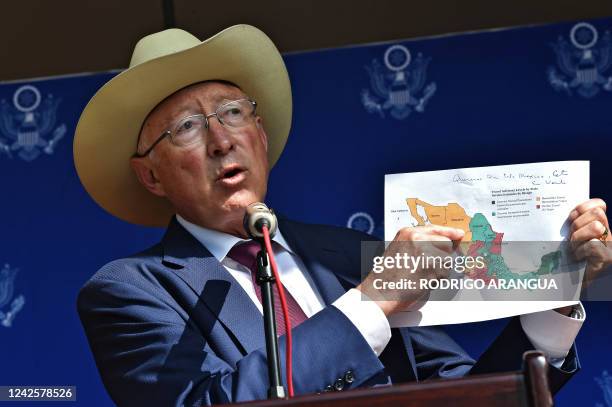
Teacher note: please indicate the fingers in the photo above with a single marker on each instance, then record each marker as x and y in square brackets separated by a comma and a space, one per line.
[591, 250]
[412, 249]
[588, 221]
[441, 243]
[423, 244]
[432, 237]
[588, 224]
[587, 206]
[595, 214]
[597, 255]
[425, 233]
[594, 229]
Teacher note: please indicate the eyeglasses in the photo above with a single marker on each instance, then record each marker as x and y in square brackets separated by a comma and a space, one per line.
[191, 130]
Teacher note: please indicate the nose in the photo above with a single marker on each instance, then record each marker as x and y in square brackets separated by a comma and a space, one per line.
[219, 140]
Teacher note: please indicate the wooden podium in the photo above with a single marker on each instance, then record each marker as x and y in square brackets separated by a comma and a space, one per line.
[528, 387]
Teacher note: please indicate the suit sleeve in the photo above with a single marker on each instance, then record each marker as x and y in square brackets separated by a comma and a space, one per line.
[434, 354]
[145, 352]
[505, 354]
[437, 355]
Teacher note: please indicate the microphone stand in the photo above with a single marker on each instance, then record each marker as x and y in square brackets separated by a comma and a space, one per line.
[265, 279]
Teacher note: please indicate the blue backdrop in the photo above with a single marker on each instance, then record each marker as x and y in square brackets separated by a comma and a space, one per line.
[498, 97]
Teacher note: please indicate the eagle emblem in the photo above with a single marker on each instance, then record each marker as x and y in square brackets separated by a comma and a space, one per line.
[7, 289]
[582, 62]
[27, 125]
[605, 384]
[399, 86]
[361, 221]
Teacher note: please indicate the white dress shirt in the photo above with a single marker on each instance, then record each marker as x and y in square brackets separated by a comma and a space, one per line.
[548, 331]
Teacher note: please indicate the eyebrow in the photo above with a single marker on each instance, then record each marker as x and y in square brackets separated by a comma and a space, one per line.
[216, 100]
[185, 110]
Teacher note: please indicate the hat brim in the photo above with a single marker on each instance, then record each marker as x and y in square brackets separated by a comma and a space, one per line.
[108, 128]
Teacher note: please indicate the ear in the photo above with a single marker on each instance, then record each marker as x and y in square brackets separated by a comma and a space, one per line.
[145, 173]
[262, 133]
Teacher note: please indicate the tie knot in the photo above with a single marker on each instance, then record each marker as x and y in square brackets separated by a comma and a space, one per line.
[245, 253]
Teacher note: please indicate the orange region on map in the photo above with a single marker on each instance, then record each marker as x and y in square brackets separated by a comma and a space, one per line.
[452, 215]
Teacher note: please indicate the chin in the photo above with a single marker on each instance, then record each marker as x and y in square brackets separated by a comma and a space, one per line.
[239, 201]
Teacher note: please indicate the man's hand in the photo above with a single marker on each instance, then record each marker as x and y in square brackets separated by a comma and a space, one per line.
[414, 242]
[589, 237]
[590, 234]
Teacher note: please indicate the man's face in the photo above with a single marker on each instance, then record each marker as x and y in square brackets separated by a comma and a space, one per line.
[212, 182]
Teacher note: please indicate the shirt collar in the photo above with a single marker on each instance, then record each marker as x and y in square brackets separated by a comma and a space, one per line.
[219, 243]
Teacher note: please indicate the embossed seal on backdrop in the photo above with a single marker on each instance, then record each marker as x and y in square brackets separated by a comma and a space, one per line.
[397, 84]
[9, 305]
[583, 62]
[605, 384]
[27, 125]
[361, 221]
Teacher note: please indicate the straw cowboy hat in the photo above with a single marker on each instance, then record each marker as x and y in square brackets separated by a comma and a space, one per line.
[161, 64]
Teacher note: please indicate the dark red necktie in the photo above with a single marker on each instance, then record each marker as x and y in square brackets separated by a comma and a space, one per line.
[246, 254]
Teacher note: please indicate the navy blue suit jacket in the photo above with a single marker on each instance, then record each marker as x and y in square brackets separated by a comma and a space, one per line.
[170, 326]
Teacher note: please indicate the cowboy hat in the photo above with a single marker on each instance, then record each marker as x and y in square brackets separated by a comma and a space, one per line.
[162, 63]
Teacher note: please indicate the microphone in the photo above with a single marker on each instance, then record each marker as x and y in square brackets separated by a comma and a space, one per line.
[256, 216]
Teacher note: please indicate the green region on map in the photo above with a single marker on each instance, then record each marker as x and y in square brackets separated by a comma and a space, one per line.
[484, 241]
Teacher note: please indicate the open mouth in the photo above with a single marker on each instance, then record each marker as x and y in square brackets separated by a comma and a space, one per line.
[232, 174]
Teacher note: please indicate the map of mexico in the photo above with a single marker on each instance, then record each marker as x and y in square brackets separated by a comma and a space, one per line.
[515, 216]
[484, 240]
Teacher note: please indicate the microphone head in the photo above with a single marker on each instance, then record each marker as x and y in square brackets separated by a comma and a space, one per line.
[256, 216]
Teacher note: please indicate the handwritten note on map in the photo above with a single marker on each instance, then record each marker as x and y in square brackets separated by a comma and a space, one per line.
[493, 205]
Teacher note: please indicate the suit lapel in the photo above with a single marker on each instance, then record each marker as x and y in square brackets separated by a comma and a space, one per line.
[319, 258]
[225, 298]
[214, 286]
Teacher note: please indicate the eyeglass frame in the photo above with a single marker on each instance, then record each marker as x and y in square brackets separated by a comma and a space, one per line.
[206, 126]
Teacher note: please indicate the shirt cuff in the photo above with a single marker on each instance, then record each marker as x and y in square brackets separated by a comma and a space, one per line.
[553, 333]
[367, 317]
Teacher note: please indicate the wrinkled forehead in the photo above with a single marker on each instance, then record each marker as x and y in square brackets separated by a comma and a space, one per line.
[184, 99]
[213, 91]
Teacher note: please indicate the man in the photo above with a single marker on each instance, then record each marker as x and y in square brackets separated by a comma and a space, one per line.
[187, 135]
